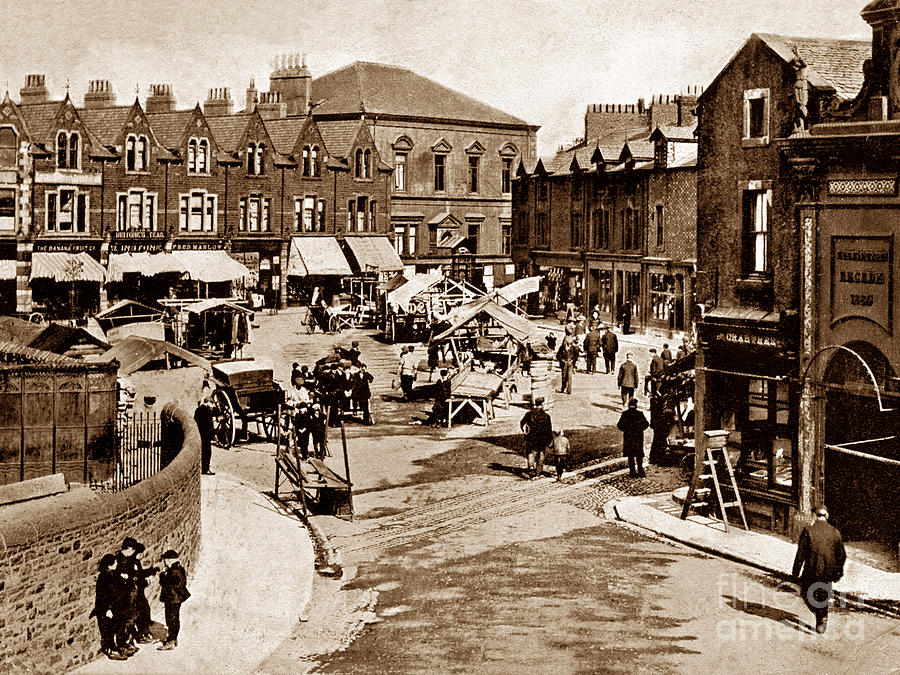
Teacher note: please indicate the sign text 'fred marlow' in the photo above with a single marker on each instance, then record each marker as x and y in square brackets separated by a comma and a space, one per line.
[861, 279]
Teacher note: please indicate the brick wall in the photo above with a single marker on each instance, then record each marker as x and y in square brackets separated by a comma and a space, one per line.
[51, 547]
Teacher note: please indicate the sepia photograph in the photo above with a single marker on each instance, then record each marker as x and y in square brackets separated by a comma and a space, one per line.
[409, 337]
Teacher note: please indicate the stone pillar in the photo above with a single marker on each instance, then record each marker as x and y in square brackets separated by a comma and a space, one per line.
[283, 259]
[23, 274]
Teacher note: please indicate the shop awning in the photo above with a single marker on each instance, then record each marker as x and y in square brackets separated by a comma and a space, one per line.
[211, 266]
[66, 267]
[515, 290]
[517, 327]
[7, 270]
[134, 352]
[144, 263]
[373, 254]
[400, 297]
[312, 256]
[214, 303]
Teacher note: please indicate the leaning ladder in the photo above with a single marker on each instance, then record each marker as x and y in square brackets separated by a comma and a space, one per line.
[706, 471]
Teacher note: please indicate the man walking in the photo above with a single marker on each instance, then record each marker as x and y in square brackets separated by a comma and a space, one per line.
[656, 369]
[627, 379]
[632, 424]
[203, 416]
[592, 347]
[819, 562]
[362, 392]
[610, 344]
[566, 356]
[538, 430]
[408, 365]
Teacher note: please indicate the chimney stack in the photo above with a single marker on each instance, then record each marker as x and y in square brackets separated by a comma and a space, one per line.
[218, 102]
[270, 105]
[251, 96]
[161, 99]
[34, 91]
[99, 95]
[291, 79]
[882, 79]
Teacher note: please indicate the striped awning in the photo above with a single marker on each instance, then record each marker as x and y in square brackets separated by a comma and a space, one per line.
[311, 256]
[143, 263]
[211, 266]
[66, 267]
[373, 254]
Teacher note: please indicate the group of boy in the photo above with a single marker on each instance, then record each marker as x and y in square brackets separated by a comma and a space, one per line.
[121, 606]
[540, 437]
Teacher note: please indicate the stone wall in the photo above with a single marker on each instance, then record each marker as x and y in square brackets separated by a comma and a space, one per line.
[50, 548]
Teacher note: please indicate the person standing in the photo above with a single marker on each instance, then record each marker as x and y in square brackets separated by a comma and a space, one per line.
[626, 317]
[109, 585]
[610, 344]
[627, 378]
[592, 343]
[566, 356]
[126, 611]
[353, 353]
[362, 392]
[318, 430]
[441, 408]
[632, 424]
[302, 431]
[538, 430]
[408, 365]
[142, 617]
[666, 354]
[203, 416]
[560, 453]
[656, 369]
[172, 592]
[819, 562]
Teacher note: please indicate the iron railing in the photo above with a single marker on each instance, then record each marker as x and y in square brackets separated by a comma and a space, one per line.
[138, 450]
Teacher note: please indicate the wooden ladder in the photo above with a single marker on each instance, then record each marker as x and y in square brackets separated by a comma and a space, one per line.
[704, 492]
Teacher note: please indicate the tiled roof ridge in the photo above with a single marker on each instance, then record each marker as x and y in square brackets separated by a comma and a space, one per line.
[815, 38]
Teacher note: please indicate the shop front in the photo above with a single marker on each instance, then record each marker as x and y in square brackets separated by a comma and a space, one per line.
[668, 295]
[141, 267]
[262, 258]
[746, 385]
[600, 290]
[316, 267]
[66, 278]
[562, 283]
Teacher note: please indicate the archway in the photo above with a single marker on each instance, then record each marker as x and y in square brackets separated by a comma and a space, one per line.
[859, 491]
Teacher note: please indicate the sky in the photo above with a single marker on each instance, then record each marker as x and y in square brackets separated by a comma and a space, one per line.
[541, 60]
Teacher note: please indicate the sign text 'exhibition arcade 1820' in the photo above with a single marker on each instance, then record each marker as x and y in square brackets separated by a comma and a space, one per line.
[861, 279]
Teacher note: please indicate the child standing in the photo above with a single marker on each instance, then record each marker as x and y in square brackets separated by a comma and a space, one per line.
[561, 451]
[172, 592]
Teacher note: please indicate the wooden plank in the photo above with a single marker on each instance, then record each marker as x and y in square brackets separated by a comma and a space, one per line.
[329, 476]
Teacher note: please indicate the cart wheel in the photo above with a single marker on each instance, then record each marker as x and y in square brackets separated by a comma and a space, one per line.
[687, 466]
[333, 325]
[269, 425]
[223, 424]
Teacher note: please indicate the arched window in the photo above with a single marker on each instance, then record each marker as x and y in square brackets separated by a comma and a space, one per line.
[74, 150]
[306, 171]
[192, 156]
[203, 156]
[9, 146]
[359, 160]
[62, 147]
[142, 154]
[130, 153]
[315, 160]
[260, 159]
[251, 158]
[367, 164]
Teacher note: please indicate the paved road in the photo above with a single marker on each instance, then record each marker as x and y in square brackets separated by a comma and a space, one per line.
[454, 564]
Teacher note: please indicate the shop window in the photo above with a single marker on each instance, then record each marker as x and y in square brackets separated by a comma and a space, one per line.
[755, 250]
[198, 212]
[440, 167]
[756, 117]
[604, 290]
[661, 295]
[400, 171]
[506, 176]
[7, 208]
[67, 211]
[9, 148]
[136, 210]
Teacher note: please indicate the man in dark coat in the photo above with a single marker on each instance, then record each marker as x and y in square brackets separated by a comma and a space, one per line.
[441, 399]
[361, 392]
[203, 416]
[142, 618]
[627, 379]
[626, 317]
[125, 611]
[353, 353]
[567, 354]
[819, 562]
[109, 587]
[318, 431]
[172, 592]
[656, 369]
[302, 430]
[592, 342]
[538, 430]
[610, 344]
[632, 424]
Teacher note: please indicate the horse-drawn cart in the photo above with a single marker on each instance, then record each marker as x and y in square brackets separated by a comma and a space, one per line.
[245, 392]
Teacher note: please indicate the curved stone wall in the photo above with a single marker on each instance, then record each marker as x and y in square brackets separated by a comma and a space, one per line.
[50, 548]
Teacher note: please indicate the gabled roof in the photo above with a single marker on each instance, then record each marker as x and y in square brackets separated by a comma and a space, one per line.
[106, 123]
[228, 130]
[377, 88]
[638, 150]
[338, 135]
[39, 118]
[285, 132]
[169, 127]
[135, 352]
[837, 63]
[675, 133]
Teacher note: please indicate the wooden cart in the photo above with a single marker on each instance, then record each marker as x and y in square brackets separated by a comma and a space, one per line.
[245, 392]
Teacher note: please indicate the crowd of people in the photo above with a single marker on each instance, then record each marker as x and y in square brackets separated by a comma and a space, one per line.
[121, 606]
[337, 388]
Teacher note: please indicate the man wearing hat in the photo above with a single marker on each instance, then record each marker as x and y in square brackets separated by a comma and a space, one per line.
[126, 564]
[819, 562]
[538, 430]
[107, 601]
[142, 618]
[353, 353]
[172, 592]
[361, 378]
[627, 379]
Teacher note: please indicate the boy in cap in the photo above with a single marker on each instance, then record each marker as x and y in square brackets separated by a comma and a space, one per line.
[106, 600]
[172, 592]
[560, 452]
[538, 431]
[126, 565]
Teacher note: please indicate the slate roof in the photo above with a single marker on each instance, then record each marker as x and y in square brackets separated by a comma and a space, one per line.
[285, 132]
[338, 135]
[640, 150]
[105, 123]
[364, 87]
[676, 133]
[837, 63]
[38, 117]
[168, 127]
[228, 130]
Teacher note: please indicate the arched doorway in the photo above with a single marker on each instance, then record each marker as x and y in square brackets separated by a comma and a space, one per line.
[860, 492]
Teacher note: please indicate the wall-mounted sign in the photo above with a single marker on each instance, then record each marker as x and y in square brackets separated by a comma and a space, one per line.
[862, 279]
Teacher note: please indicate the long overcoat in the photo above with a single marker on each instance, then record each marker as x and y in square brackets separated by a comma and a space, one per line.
[632, 424]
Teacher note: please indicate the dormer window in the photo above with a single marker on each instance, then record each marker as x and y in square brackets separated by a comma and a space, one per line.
[68, 150]
[256, 158]
[307, 168]
[198, 155]
[136, 153]
[756, 118]
[9, 146]
[314, 161]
